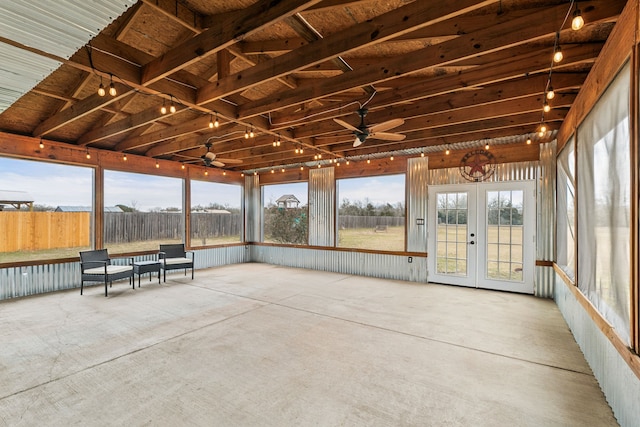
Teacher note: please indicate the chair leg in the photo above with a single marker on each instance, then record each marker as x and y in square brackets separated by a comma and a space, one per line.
[81, 286]
[191, 272]
[105, 286]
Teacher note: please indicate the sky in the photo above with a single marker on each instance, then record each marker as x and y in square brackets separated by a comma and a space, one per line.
[54, 185]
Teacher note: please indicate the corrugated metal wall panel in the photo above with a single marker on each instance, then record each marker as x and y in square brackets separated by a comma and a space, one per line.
[417, 198]
[383, 266]
[253, 208]
[618, 382]
[546, 219]
[520, 171]
[18, 282]
[322, 206]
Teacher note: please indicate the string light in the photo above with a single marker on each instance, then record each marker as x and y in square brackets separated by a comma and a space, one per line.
[578, 21]
[41, 144]
[486, 146]
[101, 90]
[246, 134]
[422, 154]
[282, 170]
[447, 151]
[124, 157]
[157, 165]
[546, 107]
[272, 171]
[172, 108]
[211, 124]
[301, 168]
[112, 88]
[528, 141]
[557, 52]
[216, 123]
[550, 93]
[182, 166]
[348, 162]
[206, 173]
[391, 158]
[163, 109]
[251, 133]
[225, 173]
[368, 161]
[88, 154]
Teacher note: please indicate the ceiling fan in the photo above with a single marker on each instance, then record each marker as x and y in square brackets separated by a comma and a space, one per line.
[362, 132]
[210, 159]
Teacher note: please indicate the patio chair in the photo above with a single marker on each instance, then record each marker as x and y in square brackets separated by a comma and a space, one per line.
[95, 266]
[174, 257]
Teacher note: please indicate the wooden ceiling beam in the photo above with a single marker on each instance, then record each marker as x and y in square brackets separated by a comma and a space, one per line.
[503, 36]
[398, 21]
[239, 25]
[514, 68]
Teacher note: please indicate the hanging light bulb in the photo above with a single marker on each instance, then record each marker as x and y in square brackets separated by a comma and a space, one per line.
[557, 51]
[528, 141]
[391, 158]
[319, 156]
[337, 163]
[578, 21]
[124, 157]
[41, 144]
[88, 154]
[348, 162]
[272, 171]
[172, 108]
[296, 150]
[422, 154]
[546, 107]
[318, 165]
[251, 133]
[282, 170]
[246, 134]
[447, 151]
[550, 93]
[486, 146]
[558, 56]
[315, 157]
[216, 123]
[101, 90]
[211, 124]
[163, 109]
[182, 166]
[112, 88]
[368, 160]
[225, 173]
[206, 173]
[301, 150]
[157, 165]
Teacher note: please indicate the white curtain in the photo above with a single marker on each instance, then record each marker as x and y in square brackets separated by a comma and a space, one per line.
[604, 197]
[566, 218]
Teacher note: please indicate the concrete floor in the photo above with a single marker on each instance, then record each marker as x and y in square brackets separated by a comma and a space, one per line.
[261, 345]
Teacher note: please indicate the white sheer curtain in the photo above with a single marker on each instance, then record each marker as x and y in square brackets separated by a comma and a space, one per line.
[604, 193]
[566, 218]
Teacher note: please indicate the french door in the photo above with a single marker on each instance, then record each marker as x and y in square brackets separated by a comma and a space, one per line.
[483, 235]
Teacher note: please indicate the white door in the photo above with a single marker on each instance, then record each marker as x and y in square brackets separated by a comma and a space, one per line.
[482, 235]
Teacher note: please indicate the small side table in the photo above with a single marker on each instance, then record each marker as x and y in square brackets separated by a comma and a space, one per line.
[142, 267]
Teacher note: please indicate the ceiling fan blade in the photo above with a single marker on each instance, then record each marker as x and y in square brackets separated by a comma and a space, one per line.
[346, 125]
[387, 136]
[209, 155]
[357, 142]
[389, 124]
[230, 161]
[217, 163]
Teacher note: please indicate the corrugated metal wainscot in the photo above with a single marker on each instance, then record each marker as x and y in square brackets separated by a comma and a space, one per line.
[349, 262]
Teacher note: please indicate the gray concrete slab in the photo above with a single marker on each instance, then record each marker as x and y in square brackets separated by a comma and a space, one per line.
[261, 345]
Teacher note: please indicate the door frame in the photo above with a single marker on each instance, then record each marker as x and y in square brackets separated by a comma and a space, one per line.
[477, 224]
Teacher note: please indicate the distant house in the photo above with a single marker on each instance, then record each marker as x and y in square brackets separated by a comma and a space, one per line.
[288, 201]
[85, 209]
[15, 199]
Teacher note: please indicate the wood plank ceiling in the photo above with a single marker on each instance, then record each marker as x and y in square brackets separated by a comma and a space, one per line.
[459, 72]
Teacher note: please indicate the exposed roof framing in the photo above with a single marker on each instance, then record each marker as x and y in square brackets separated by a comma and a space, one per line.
[455, 71]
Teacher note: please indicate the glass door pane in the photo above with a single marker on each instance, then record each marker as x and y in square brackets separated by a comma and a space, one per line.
[504, 235]
[451, 242]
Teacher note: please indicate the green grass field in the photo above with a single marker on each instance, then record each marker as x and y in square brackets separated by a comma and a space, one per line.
[503, 246]
[367, 238]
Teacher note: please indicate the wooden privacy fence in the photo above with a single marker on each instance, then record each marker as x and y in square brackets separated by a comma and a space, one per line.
[32, 231]
[353, 221]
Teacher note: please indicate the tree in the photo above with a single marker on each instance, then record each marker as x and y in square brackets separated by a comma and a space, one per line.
[287, 225]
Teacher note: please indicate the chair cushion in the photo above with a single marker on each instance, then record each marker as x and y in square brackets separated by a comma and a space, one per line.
[171, 261]
[111, 269]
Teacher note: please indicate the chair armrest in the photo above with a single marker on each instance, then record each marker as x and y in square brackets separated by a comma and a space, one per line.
[162, 255]
[193, 257]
